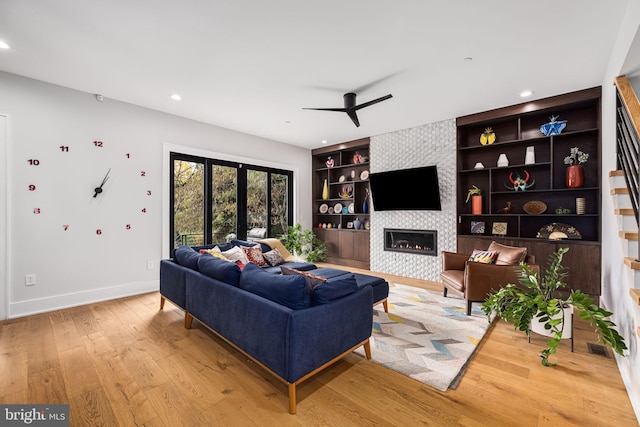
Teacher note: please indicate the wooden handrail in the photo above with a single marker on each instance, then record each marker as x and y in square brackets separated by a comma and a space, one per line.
[630, 101]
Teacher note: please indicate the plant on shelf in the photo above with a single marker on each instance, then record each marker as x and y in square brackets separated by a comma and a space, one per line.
[303, 243]
[473, 191]
[537, 300]
[576, 157]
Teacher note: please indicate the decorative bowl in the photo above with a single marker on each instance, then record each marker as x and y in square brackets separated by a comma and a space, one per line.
[534, 207]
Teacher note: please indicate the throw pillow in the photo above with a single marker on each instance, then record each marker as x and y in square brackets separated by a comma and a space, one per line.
[311, 279]
[254, 255]
[290, 291]
[484, 257]
[508, 255]
[219, 269]
[273, 257]
[187, 257]
[335, 289]
[236, 254]
[216, 252]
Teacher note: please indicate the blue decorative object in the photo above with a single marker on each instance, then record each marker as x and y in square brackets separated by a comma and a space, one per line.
[365, 206]
[554, 127]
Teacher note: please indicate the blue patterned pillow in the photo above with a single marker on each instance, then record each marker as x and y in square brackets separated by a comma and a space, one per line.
[484, 257]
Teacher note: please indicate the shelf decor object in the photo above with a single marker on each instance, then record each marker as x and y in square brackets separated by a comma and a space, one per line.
[575, 171]
[530, 156]
[519, 183]
[581, 204]
[499, 229]
[477, 227]
[330, 162]
[325, 191]
[554, 127]
[503, 161]
[558, 231]
[365, 203]
[357, 158]
[346, 192]
[475, 195]
[534, 207]
[488, 137]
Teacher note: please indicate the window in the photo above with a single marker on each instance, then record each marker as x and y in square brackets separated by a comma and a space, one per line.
[214, 200]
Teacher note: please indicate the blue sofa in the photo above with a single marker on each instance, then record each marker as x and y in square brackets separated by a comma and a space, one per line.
[274, 319]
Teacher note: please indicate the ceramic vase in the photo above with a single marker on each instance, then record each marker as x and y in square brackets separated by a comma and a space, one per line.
[530, 156]
[325, 191]
[357, 223]
[575, 176]
[476, 205]
[502, 160]
[365, 206]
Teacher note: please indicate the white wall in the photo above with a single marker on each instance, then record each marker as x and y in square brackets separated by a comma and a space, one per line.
[616, 278]
[426, 145]
[77, 266]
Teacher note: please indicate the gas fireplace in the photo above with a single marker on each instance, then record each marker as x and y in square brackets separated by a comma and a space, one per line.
[422, 242]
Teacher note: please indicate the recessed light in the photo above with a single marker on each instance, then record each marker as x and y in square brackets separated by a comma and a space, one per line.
[176, 97]
[468, 59]
[324, 141]
[526, 93]
[4, 45]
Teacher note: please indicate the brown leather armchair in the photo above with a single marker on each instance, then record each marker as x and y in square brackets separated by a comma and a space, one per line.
[474, 280]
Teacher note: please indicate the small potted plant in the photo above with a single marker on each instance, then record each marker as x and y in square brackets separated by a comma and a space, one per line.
[475, 195]
[575, 171]
[303, 243]
[537, 301]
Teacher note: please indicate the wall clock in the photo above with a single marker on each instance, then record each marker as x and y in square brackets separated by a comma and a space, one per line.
[88, 187]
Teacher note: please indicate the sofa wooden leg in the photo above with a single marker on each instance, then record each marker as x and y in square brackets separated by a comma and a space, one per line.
[188, 319]
[367, 349]
[161, 302]
[469, 308]
[385, 304]
[444, 291]
[292, 398]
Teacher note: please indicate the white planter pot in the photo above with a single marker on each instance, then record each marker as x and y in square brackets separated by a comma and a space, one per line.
[567, 332]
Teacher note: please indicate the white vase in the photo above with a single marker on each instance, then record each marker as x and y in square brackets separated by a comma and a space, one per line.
[503, 161]
[530, 156]
[567, 332]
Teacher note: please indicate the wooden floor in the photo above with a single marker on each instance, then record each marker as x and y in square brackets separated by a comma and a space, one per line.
[125, 363]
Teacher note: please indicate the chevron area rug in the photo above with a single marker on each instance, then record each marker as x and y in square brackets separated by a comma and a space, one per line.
[425, 336]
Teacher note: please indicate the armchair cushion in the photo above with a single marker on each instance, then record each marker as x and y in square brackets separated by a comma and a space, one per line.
[484, 257]
[508, 255]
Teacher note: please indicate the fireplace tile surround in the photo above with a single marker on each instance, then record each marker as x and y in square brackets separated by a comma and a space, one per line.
[430, 144]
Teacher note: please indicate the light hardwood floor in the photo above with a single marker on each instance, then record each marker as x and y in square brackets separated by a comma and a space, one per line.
[125, 362]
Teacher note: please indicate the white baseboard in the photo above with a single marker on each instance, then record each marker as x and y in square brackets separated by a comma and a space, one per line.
[57, 302]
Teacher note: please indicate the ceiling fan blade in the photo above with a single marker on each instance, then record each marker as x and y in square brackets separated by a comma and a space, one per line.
[326, 109]
[354, 118]
[375, 101]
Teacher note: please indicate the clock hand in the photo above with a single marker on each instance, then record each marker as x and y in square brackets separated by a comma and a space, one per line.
[98, 190]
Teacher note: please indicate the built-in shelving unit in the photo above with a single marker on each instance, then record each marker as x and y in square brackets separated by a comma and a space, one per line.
[344, 168]
[516, 128]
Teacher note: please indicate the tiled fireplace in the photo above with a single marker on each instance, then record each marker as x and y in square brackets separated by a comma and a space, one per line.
[422, 242]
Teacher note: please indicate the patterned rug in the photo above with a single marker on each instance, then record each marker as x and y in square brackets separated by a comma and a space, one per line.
[425, 336]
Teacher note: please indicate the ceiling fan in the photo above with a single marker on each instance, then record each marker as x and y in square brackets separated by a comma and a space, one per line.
[350, 106]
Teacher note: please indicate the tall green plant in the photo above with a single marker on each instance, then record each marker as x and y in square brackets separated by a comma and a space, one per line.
[303, 243]
[537, 298]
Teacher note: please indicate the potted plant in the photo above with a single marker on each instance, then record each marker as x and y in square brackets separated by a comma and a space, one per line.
[538, 300]
[475, 195]
[303, 243]
[575, 171]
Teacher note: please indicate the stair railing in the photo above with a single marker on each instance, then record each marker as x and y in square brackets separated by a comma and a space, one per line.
[628, 141]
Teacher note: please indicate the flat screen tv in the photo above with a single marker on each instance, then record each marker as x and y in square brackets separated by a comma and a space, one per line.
[414, 189]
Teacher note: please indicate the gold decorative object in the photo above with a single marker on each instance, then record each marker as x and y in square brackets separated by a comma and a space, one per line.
[488, 137]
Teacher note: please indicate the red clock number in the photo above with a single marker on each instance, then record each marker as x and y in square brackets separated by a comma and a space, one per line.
[34, 162]
[32, 187]
[98, 231]
[36, 211]
[143, 173]
[65, 227]
[144, 210]
[64, 148]
[97, 143]
[128, 227]
[148, 192]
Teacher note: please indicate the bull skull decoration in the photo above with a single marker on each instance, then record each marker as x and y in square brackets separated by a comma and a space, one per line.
[519, 183]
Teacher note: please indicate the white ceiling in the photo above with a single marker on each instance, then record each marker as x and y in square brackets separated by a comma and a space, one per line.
[252, 65]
